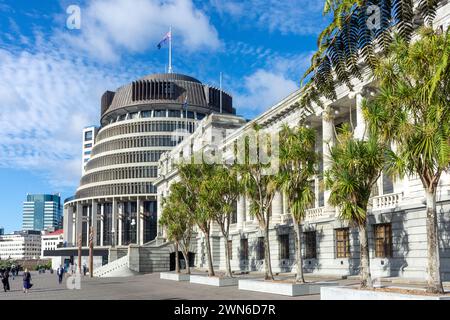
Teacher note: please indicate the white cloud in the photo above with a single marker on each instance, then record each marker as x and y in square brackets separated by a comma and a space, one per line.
[288, 17]
[262, 90]
[109, 27]
[270, 84]
[46, 98]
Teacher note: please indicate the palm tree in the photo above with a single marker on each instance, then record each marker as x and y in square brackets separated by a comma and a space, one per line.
[192, 176]
[259, 186]
[412, 110]
[178, 222]
[221, 191]
[356, 167]
[351, 37]
[297, 161]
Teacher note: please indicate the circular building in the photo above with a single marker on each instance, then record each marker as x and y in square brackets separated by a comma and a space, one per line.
[139, 122]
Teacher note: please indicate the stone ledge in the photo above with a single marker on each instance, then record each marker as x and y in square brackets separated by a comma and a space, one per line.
[346, 293]
[174, 276]
[283, 288]
[213, 281]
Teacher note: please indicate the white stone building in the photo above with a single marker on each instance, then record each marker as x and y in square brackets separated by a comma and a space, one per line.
[51, 241]
[20, 245]
[397, 217]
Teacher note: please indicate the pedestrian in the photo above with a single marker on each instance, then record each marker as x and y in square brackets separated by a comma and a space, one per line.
[26, 281]
[5, 280]
[84, 269]
[13, 271]
[60, 273]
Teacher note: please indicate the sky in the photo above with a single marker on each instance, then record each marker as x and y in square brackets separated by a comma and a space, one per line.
[52, 76]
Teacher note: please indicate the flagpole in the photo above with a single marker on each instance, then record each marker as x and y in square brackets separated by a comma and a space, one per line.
[221, 92]
[170, 50]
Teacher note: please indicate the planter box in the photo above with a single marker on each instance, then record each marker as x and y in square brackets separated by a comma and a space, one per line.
[214, 281]
[283, 288]
[174, 276]
[345, 293]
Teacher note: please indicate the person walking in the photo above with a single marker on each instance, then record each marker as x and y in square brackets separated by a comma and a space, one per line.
[5, 280]
[26, 281]
[60, 273]
[84, 269]
[13, 271]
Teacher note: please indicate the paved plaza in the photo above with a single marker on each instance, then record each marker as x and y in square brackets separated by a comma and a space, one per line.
[141, 287]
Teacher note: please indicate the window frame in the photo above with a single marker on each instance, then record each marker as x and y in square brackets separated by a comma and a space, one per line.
[310, 241]
[345, 243]
[385, 248]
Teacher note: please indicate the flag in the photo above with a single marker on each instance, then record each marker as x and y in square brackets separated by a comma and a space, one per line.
[168, 36]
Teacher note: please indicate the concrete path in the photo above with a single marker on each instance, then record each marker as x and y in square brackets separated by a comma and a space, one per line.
[142, 287]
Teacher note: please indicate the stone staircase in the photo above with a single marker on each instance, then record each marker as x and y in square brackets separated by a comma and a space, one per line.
[116, 268]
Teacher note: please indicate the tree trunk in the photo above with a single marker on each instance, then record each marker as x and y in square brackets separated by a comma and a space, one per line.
[177, 260]
[267, 263]
[298, 251]
[366, 279]
[186, 259]
[227, 259]
[208, 251]
[434, 283]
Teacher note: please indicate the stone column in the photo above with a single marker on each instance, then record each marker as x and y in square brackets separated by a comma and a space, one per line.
[248, 216]
[140, 222]
[102, 223]
[114, 222]
[277, 207]
[328, 143]
[361, 127]
[120, 222]
[94, 221]
[240, 211]
[68, 225]
[78, 223]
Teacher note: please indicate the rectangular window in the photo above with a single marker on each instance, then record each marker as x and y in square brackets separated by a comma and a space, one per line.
[230, 249]
[174, 114]
[260, 253]
[190, 115]
[383, 240]
[88, 136]
[159, 113]
[89, 145]
[200, 116]
[244, 249]
[284, 246]
[310, 245]
[342, 243]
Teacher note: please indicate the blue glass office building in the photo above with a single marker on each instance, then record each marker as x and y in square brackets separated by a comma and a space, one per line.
[42, 212]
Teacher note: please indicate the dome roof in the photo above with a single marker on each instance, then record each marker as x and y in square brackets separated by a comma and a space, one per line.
[164, 88]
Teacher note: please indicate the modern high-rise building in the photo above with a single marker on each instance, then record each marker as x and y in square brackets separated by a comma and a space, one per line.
[89, 134]
[42, 212]
[2, 231]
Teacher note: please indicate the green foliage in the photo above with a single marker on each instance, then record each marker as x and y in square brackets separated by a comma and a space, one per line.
[348, 39]
[356, 166]
[298, 161]
[412, 109]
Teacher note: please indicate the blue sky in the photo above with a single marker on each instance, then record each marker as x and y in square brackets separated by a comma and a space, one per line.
[52, 78]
